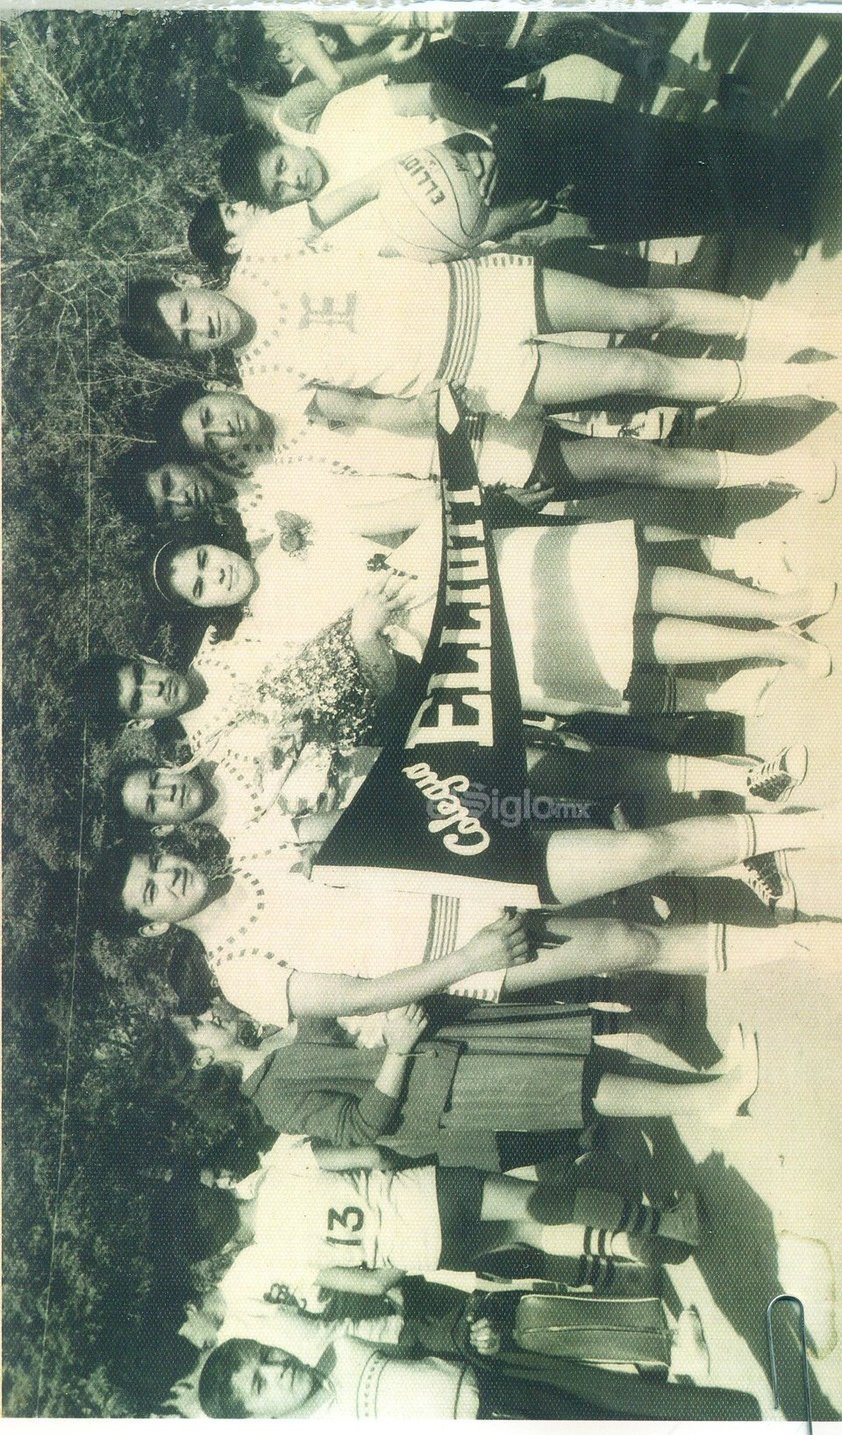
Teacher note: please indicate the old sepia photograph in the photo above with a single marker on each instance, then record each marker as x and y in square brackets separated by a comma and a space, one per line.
[422, 520]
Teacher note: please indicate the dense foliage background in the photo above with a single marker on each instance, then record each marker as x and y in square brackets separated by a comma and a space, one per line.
[111, 124]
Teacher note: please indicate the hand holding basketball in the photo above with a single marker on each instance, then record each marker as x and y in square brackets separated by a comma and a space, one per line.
[432, 204]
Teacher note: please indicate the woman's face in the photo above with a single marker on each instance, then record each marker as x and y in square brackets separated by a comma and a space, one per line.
[211, 1042]
[179, 491]
[209, 577]
[226, 427]
[200, 319]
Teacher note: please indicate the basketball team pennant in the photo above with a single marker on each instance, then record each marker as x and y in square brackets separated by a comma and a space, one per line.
[412, 820]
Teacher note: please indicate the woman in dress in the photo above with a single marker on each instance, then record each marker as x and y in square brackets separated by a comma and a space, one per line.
[596, 621]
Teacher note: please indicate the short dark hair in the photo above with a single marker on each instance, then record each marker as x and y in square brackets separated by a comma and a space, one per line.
[238, 162]
[207, 236]
[106, 886]
[165, 416]
[141, 324]
[96, 690]
[127, 482]
[190, 978]
[216, 1396]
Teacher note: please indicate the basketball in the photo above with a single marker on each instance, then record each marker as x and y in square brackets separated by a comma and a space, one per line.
[430, 205]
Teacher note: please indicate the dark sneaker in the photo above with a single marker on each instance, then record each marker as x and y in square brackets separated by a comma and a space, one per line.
[773, 781]
[768, 877]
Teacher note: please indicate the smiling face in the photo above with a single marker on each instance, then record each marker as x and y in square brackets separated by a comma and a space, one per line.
[200, 319]
[161, 887]
[226, 427]
[159, 795]
[179, 491]
[272, 1384]
[209, 577]
[289, 173]
[149, 690]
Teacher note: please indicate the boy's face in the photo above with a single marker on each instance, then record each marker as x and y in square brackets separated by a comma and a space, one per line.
[162, 887]
[179, 491]
[147, 690]
[200, 319]
[289, 174]
[226, 427]
[271, 1384]
[157, 794]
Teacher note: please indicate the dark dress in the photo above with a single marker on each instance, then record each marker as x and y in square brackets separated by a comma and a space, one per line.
[495, 1072]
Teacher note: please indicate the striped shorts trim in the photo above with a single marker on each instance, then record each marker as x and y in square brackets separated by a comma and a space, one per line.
[443, 929]
[463, 323]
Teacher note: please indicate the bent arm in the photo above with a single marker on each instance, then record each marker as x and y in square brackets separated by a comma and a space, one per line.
[338, 203]
[333, 994]
[345, 1120]
[344, 406]
[359, 1282]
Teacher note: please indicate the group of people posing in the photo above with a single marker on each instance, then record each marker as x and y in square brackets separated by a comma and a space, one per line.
[294, 545]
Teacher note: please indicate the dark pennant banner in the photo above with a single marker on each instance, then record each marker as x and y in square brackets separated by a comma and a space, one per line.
[409, 823]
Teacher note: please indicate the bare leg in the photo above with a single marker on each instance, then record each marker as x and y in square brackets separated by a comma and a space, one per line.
[505, 1202]
[746, 692]
[684, 593]
[808, 466]
[679, 641]
[586, 864]
[632, 461]
[570, 303]
[571, 375]
[715, 1101]
[590, 946]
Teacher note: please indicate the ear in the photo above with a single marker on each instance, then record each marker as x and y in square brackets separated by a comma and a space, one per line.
[203, 1059]
[233, 245]
[187, 281]
[138, 724]
[163, 829]
[154, 929]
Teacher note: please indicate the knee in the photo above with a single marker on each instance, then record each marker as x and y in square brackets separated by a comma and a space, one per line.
[648, 373]
[631, 944]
